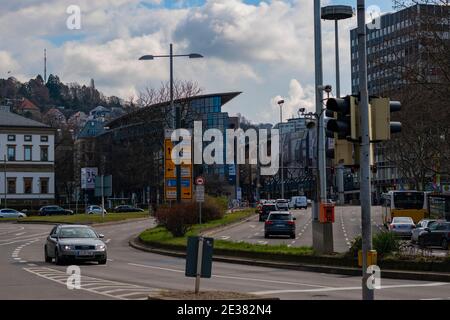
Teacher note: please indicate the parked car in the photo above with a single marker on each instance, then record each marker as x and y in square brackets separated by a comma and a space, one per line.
[11, 213]
[265, 211]
[298, 202]
[54, 210]
[282, 204]
[74, 242]
[280, 223]
[95, 210]
[402, 226]
[438, 234]
[424, 223]
[127, 208]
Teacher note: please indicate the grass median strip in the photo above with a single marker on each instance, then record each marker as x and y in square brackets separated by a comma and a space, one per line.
[161, 235]
[86, 218]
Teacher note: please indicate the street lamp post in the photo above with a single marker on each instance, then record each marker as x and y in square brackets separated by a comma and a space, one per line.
[336, 13]
[280, 103]
[176, 110]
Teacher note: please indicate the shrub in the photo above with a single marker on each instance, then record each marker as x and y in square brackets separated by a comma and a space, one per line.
[178, 218]
[384, 243]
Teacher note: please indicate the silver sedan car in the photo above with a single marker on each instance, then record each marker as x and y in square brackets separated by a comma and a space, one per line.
[11, 213]
[425, 223]
[402, 226]
[74, 243]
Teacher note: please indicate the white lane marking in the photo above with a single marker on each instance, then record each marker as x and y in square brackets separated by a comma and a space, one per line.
[19, 234]
[57, 276]
[107, 241]
[252, 226]
[328, 289]
[225, 237]
[15, 241]
[25, 237]
[11, 231]
[262, 242]
[111, 260]
[232, 277]
[32, 265]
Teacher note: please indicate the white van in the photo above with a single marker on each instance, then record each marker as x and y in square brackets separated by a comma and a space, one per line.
[299, 202]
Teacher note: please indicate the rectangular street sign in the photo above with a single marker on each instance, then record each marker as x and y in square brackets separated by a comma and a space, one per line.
[200, 193]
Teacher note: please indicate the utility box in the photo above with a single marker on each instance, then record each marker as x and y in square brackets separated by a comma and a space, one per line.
[371, 258]
[192, 255]
[326, 213]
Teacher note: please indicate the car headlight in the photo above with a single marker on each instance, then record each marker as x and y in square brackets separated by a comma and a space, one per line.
[66, 247]
[100, 247]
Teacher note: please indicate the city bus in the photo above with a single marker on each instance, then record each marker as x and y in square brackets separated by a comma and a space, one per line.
[401, 203]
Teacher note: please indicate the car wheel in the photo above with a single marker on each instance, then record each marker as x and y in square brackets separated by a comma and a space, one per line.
[102, 261]
[58, 260]
[47, 258]
[292, 236]
[421, 242]
[266, 235]
[444, 244]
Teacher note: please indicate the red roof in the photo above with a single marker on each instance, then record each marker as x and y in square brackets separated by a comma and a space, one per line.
[28, 105]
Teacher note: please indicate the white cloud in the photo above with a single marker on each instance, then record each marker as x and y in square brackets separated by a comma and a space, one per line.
[298, 97]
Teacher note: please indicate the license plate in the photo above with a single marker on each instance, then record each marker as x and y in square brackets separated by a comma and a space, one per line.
[85, 253]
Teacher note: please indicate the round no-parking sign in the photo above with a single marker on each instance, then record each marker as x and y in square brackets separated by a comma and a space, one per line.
[199, 181]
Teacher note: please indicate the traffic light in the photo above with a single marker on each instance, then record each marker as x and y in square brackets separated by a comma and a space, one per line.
[381, 126]
[346, 118]
[343, 127]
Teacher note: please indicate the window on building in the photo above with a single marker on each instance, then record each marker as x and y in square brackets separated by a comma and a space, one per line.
[44, 138]
[27, 185]
[11, 153]
[44, 153]
[27, 151]
[11, 137]
[11, 185]
[27, 138]
[43, 182]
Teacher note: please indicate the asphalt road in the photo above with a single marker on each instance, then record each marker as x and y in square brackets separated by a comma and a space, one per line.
[347, 226]
[132, 274]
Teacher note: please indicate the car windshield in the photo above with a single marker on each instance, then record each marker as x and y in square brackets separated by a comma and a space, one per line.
[277, 216]
[402, 220]
[77, 233]
[270, 208]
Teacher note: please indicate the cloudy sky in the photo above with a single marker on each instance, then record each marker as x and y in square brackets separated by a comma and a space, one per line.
[263, 48]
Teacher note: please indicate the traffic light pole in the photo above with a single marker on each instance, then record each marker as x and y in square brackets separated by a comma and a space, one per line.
[322, 232]
[365, 183]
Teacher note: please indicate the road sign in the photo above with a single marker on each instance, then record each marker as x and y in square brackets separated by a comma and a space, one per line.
[200, 193]
[170, 183]
[107, 186]
[199, 181]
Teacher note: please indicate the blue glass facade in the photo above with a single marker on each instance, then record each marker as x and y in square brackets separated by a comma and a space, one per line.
[209, 111]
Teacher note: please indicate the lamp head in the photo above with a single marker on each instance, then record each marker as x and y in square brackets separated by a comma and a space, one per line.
[195, 56]
[146, 57]
[302, 110]
[280, 102]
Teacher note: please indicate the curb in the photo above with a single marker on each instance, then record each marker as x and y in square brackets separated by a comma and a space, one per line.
[227, 226]
[389, 274]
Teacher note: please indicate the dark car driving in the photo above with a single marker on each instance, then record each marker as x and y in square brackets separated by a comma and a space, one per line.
[54, 210]
[280, 223]
[265, 210]
[437, 234]
[127, 208]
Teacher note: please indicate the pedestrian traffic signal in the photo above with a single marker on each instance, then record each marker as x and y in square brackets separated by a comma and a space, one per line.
[381, 126]
[345, 122]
